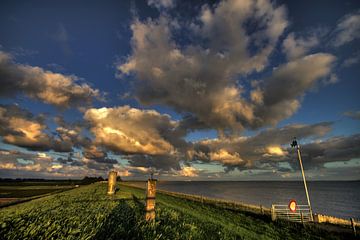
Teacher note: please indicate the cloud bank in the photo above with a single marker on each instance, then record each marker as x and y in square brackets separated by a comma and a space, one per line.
[57, 89]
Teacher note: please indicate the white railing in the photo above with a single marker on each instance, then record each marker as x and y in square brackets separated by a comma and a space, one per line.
[302, 213]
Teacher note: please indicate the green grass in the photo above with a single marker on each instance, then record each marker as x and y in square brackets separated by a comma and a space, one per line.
[29, 191]
[88, 213]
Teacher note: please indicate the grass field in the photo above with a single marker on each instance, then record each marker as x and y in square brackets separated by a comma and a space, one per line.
[28, 191]
[88, 213]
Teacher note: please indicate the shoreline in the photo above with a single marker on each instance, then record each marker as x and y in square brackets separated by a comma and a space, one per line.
[253, 208]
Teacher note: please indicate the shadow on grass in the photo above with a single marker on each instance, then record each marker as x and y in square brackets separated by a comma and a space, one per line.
[124, 221]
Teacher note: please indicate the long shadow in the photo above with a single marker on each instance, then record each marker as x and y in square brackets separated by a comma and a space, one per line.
[123, 222]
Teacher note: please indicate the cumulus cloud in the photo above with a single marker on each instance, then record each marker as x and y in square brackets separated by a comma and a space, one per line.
[188, 171]
[288, 83]
[41, 165]
[53, 88]
[199, 78]
[335, 149]
[21, 128]
[133, 131]
[295, 47]
[347, 29]
[269, 146]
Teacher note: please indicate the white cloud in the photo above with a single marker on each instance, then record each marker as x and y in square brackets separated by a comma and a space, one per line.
[347, 29]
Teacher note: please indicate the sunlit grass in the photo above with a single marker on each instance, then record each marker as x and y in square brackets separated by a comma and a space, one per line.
[88, 213]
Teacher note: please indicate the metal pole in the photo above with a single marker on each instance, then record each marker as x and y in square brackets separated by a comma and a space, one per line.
[303, 175]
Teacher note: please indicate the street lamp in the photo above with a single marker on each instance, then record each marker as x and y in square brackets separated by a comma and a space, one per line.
[294, 144]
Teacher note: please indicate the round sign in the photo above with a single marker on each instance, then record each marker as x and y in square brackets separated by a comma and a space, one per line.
[292, 205]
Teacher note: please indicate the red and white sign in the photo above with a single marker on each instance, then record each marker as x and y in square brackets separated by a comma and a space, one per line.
[292, 205]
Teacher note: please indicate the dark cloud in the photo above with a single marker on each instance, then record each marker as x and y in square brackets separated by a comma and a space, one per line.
[335, 149]
[21, 128]
[159, 162]
[280, 97]
[53, 88]
[98, 155]
[259, 151]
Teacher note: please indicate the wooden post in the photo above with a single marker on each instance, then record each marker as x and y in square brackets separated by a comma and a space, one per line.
[150, 199]
[353, 225]
[273, 213]
[302, 218]
[261, 210]
[112, 182]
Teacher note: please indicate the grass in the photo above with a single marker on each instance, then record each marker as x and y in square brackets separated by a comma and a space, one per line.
[88, 213]
[28, 191]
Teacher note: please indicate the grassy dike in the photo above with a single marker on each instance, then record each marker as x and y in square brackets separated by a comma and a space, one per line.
[87, 213]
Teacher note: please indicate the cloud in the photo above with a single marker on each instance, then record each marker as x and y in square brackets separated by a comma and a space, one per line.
[17, 164]
[97, 155]
[21, 128]
[335, 149]
[351, 60]
[206, 68]
[347, 29]
[353, 114]
[288, 83]
[57, 89]
[295, 47]
[129, 130]
[62, 37]
[161, 3]
[268, 146]
[159, 162]
[188, 171]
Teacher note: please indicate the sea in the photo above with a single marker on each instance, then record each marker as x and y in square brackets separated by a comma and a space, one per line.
[339, 199]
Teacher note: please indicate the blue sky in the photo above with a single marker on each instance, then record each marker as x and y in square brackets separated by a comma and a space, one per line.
[190, 91]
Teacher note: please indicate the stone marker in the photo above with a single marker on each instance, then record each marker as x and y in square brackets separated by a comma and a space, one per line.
[150, 199]
[112, 182]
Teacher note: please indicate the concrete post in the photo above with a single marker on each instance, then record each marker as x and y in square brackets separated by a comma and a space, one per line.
[112, 182]
[273, 213]
[150, 199]
[353, 225]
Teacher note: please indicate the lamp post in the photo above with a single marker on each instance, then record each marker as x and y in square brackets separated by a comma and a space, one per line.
[295, 145]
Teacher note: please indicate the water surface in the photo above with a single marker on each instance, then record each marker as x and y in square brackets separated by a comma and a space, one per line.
[340, 199]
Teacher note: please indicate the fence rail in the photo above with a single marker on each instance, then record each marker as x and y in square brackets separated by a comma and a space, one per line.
[302, 213]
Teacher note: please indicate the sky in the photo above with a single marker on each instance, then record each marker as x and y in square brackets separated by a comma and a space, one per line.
[204, 90]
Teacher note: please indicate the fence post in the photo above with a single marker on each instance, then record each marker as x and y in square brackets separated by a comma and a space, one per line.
[353, 225]
[302, 218]
[261, 210]
[112, 182]
[150, 199]
[273, 213]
